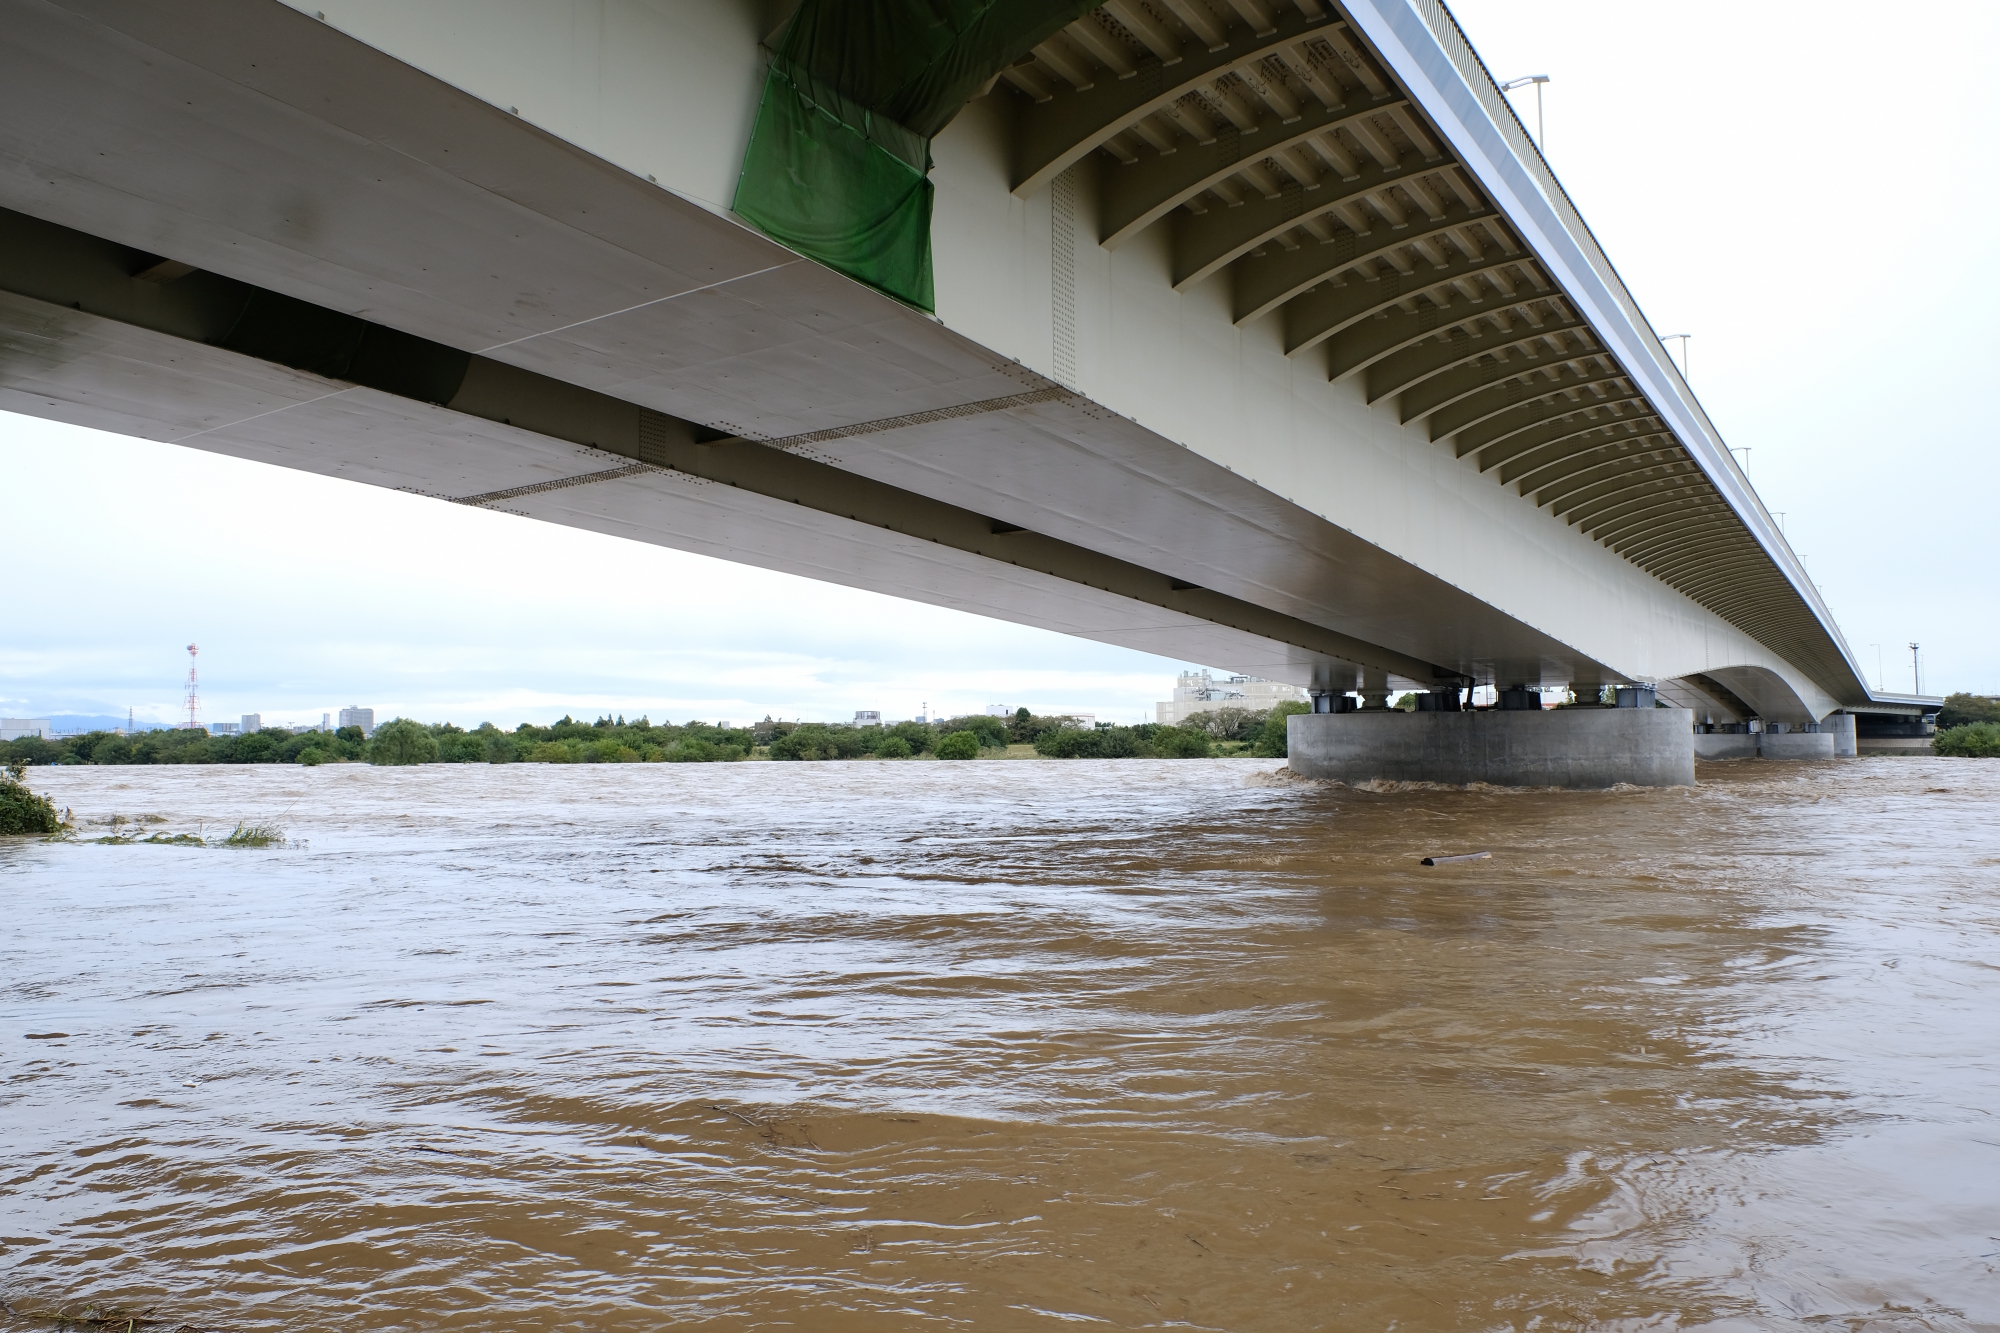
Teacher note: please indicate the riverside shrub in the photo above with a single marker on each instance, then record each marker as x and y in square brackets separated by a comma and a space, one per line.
[1273, 742]
[23, 810]
[1978, 740]
[1180, 743]
[1145, 741]
[816, 740]
[1070, 743]
[402, 742]
[959, 745]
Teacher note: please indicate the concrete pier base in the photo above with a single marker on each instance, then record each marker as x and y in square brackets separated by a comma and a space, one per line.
[1584, 748]
[1725, 745]
[1797, 745]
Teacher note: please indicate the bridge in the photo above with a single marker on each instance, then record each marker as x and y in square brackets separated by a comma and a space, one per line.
[1248, 332]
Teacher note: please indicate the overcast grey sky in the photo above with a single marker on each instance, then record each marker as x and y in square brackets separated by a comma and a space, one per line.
[1806, 189]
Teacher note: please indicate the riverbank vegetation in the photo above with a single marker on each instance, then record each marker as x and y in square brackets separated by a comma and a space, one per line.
[1973, 740]
[405, 742]
[23, 810]
[1963, 710]
[1968, 727]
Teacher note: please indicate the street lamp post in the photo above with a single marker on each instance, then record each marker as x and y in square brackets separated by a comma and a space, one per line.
[1538, 80]
[1669, 337]
[1916, 680]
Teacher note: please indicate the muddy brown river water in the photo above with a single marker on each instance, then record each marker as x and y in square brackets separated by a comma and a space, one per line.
[1005, 1046]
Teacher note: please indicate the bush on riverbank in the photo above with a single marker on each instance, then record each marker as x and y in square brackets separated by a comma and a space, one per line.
[835, 740]
[1146, 741]
[1273, 738]
[401, 742]
[1974, 740]
[959, 745]
[22, 810]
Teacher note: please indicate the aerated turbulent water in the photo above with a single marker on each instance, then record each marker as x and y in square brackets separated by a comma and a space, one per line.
[1005, 1046]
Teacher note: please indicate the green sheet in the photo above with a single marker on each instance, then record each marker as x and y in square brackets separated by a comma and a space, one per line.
[839, 161]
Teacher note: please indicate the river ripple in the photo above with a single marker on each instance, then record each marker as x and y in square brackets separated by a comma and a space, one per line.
[1009, 1045]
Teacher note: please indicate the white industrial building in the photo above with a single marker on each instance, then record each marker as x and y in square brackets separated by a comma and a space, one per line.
[1199, 691]
[19, 728]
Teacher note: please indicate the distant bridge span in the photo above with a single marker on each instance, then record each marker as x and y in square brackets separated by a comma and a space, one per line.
[1263, 337]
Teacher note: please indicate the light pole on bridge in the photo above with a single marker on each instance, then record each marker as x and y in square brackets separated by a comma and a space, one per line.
[1538, 80]
[1669, 337]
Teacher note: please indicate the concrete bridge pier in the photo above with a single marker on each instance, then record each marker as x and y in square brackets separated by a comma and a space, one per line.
[1581, 748]
[1822, 742]
[1725, 744]
[1832, 737]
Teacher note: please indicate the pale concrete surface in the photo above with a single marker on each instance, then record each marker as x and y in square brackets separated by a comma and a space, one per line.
[1841, 725]
[1725, 745]
[1587, 749]
[1905, 745]
[1797, 745]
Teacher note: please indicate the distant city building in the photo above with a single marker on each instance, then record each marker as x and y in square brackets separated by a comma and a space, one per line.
[999, 710]
[358, 716]
[867, 717]
[19, 728]
[253, 722]
[1084, 720]
[1200, 692]
[223, 728]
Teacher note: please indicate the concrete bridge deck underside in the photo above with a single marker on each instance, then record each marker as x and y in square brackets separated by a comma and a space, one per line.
[244, 139]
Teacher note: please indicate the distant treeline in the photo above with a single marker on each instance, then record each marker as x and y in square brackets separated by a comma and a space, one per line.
[402, 741]
[616, 741]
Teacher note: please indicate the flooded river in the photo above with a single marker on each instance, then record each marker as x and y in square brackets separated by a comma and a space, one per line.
[885, 1046]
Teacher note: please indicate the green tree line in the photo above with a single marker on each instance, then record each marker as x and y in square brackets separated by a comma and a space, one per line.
[616, 741]
[404, 741]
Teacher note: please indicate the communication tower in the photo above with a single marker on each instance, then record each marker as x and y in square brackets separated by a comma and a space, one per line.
[193, 696]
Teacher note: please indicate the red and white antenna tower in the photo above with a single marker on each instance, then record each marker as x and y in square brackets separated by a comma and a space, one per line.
[193, 697]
